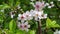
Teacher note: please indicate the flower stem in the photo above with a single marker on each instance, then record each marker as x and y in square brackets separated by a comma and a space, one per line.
[39, 27]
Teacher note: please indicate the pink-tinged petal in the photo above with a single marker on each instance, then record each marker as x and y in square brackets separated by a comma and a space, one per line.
[24, 26]
[45, 15]
[39, 5]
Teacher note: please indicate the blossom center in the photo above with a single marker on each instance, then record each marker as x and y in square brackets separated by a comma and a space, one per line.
[22, 17]
[25, 26]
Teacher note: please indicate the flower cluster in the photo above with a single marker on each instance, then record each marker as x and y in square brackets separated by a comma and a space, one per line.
[37, 14]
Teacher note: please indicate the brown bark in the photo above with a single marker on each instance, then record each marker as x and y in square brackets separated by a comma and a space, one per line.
[39, 27]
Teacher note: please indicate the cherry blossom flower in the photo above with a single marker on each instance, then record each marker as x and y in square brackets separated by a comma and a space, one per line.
[37, 14]
[28, 15]
[39, 5]
[12, 14]
[25, 16]
[21, 17]
[24, 26]
[50, 5]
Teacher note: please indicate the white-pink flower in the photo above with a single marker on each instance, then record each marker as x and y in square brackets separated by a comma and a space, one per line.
[28, 15]
[50, 5]
[12, 14]
[43, 16]
[37, 14]
[39, 5]
[25, 16]
[24, 26]
[21, 17]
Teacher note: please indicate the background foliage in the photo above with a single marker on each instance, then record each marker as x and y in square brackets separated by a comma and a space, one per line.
[6, 22]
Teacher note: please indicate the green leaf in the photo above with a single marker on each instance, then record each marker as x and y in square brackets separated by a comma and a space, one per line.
[20, 32]
[52, 24]
[11, 2]
[12, 26]
[32, 32]
[48, 23]
[0, 31]
[4, 6]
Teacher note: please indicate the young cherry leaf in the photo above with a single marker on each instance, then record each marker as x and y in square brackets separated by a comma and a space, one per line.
[12, 26]
[32, 32]
[52, 24]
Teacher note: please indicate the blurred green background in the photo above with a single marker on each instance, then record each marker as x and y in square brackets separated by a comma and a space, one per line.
[6, 22]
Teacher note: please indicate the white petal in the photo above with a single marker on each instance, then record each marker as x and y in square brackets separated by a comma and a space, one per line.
[12, 16]
[40, 13]
[19, 15]
[59, 32]
[18, 18]
[38, 2]
[45, 15]
[51, 2]
[27, 11]
[58, 0]
[40, 17]
[49, 6]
